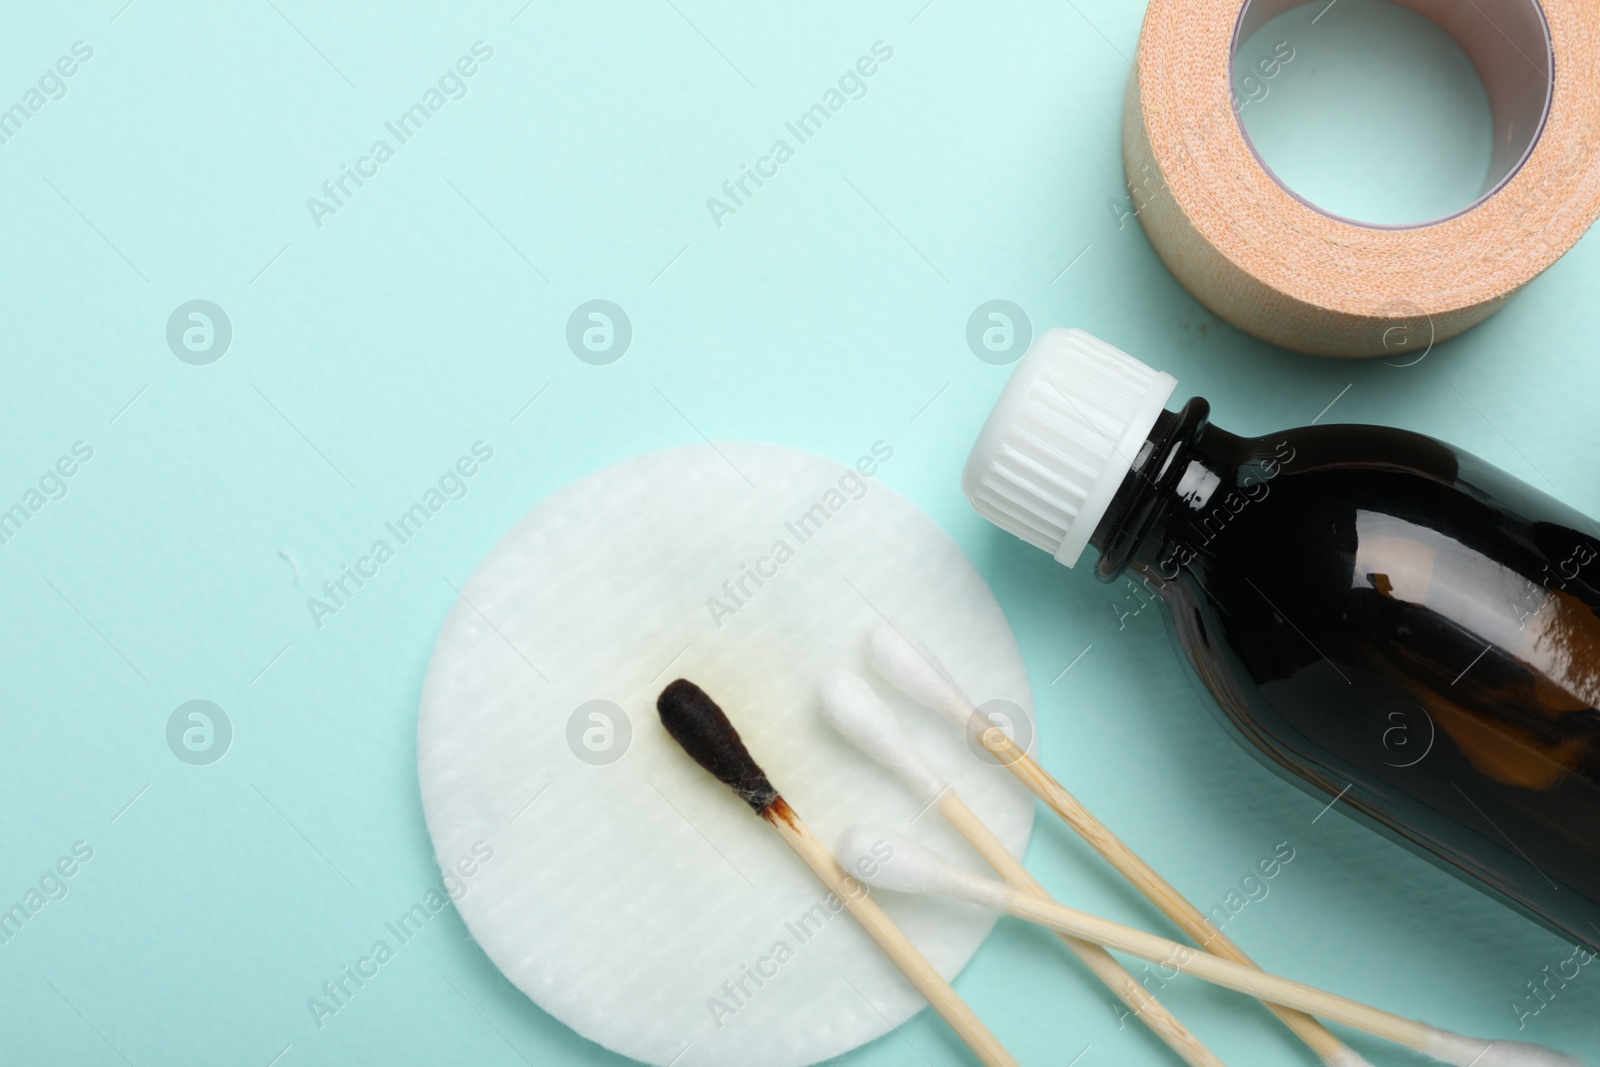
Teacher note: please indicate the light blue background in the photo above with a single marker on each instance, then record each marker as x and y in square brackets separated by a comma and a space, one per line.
[425, 315]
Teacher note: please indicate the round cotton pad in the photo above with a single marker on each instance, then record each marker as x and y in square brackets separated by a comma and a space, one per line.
[620, 886]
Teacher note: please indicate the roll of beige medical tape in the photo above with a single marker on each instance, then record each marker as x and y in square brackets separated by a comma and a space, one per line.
[1279, 268]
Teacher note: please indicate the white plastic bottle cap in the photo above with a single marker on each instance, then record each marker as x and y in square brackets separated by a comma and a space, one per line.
[1061, 438]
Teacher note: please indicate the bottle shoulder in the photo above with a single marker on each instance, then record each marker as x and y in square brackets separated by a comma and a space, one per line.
[1207, 494]
[1316, 506]
[1343, 478]
[1317, 449]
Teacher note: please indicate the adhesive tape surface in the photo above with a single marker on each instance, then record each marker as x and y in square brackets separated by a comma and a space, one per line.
[630, 894]
[1279, 268]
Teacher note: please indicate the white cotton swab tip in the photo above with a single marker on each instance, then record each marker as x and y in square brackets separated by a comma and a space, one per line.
[915, 672]
[853, 708]
[1475, 1052]
[887, 860]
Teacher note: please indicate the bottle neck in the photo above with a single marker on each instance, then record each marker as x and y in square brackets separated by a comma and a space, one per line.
[1182, 447]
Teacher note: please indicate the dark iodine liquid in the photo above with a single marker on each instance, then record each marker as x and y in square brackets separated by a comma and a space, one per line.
[1376, 610]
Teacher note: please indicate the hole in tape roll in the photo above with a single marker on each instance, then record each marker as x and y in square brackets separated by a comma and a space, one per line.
[1363, 110]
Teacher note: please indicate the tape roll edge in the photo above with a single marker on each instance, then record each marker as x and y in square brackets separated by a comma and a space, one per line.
[1368, 324]
[1237, 296]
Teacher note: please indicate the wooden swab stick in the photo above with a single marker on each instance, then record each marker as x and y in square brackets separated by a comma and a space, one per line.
[918, 675]
[696, 722]
[851, 706]
[893, 861]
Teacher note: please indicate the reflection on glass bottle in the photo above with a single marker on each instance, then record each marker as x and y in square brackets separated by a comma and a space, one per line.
[1382, 617]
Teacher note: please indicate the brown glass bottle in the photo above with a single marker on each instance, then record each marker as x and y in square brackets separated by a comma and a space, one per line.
[1389, 620]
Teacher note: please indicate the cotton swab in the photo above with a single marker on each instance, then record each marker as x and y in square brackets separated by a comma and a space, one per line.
[852, 708]
[889, 860]
[915, 672]
[696, 722]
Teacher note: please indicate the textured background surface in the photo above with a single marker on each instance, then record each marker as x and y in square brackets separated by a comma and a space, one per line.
[430, 311]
